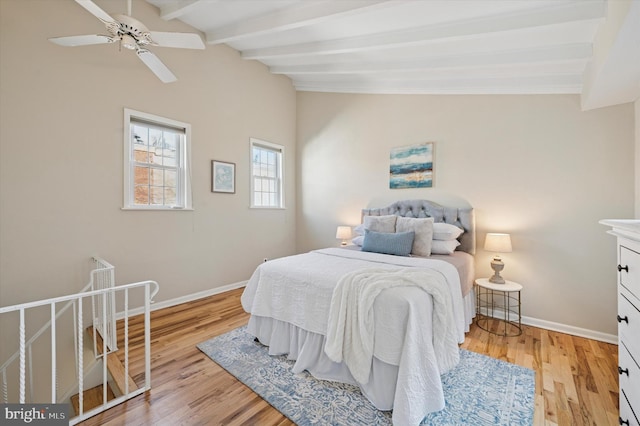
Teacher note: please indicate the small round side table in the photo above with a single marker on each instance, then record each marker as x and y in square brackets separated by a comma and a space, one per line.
[487, 296]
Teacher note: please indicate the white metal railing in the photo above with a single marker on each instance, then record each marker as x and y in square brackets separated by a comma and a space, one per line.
[103, 301]
[102, 276]
[103, 306]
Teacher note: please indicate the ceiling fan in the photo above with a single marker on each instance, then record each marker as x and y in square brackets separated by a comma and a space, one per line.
[134, 35]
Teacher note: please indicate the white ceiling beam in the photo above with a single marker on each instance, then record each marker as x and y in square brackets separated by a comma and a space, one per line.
[555, 35]
[567, 52]
[547, 70]
[569, 84]
[476, 90]
[307, 13]
[565, 12]
[178, 9]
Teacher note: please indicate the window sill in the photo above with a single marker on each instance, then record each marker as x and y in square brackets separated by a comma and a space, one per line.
[267, 208]
[154, 209]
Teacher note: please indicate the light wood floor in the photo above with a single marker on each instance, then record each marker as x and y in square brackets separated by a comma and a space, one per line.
[576, 378]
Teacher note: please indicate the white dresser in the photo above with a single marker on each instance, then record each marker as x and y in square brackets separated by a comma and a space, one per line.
[628, 235]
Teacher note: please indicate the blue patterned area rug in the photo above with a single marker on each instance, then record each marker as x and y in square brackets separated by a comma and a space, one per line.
[479, 391]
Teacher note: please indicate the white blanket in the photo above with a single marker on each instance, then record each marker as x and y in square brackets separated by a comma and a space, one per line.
[350, 331]
[297, 290]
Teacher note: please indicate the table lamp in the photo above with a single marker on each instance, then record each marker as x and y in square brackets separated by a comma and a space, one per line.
[343, 233]
[498, 243]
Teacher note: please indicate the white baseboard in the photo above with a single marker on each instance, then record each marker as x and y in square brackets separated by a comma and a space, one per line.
[555, 326]
[184, 299]
[569, 329]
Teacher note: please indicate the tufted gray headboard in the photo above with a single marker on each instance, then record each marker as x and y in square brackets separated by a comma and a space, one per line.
[462, 217]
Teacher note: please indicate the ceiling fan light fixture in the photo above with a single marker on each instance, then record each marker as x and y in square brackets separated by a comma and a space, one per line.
[128, 42]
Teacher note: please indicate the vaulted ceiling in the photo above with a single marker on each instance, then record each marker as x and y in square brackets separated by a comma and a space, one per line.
[419, 46]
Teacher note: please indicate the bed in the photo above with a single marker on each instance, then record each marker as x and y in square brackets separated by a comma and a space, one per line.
[289, 300]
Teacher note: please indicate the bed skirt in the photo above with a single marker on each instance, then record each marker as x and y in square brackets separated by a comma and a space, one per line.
[307, 350]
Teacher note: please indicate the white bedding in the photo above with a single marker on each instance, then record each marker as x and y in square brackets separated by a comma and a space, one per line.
[350, 331]
[289, 300]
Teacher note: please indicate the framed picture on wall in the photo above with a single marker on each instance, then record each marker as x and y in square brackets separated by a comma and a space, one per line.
[411, 166]
[223, 177]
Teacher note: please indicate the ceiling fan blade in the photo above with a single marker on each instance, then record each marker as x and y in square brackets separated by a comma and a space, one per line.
[180, 40]
[156, 65]
[95, 10]
[82, 40]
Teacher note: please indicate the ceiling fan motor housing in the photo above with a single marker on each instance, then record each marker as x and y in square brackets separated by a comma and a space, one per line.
[126, 26]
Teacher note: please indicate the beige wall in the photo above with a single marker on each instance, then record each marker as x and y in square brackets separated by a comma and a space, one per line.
[61, 112]
[534, 166]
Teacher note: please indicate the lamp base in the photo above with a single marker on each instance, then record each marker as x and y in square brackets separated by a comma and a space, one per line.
[496, 279]
[344, 243]
[497, 266]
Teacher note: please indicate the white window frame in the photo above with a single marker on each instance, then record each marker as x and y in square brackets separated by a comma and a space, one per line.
[183, 166]
[280, 169]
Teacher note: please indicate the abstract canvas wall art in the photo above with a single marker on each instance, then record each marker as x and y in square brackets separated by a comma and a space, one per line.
[411, 166]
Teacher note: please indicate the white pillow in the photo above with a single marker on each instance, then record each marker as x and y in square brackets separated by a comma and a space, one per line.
[423, 229]
[381, 223]
[445, 231]
[444, 247]
[358, 240]
[359, 230]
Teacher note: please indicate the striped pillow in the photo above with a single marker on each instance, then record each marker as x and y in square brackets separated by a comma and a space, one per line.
[398, 244]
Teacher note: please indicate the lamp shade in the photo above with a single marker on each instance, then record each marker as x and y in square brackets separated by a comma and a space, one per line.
[343, 232]
[499, 243]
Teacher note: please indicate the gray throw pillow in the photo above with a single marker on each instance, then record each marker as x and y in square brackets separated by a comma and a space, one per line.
[381, 223]
[423, 229]
[398, 244]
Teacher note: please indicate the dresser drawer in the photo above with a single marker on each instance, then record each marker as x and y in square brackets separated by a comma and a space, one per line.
[626, 413]
[628, 322]
[629, 374]
[629, 268]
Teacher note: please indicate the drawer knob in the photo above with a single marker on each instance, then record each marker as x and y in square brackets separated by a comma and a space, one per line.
[623, 422]
[623, 268]
[625, 319]
[623, 371]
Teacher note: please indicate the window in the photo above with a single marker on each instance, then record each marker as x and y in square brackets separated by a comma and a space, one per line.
[266, 174]
[156, 162]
